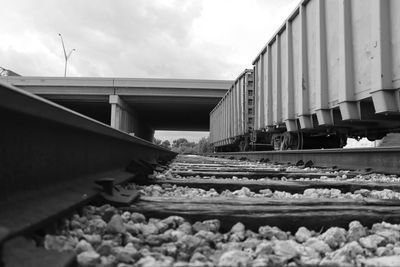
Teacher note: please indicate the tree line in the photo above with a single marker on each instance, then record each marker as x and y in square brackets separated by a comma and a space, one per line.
[183, 146]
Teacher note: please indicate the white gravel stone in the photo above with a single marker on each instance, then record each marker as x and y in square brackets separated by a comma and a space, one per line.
[287, 249]
[238, 228]
[356, 231]
[303, 234]
[251, 242]
[148, 229]
[150, 261]
[106, 247]
[125, 254]
[309, 257]
[387, 261]
[79, 233]
[372, 241]
[75, 224]
[237, 232]
[233, 258]
[161, 226]
[208, 225]
[334, 237]
[270, 232]
[390, 226]
[347, 253]
[186, 228]
[318, 245]
[94, 239]
[88, 258]
[108, 213]
[177, 234]
[390, 235]
[384, 251]
[243, 192]
[229, 246]
[266, 192]
[396, 250]
[107, 261]
[137, 217]
[97, 225]
[83, 246]
[126, 216]
[60, 243]
[173, 221]
[116, 225]
[198, 257]
[133, 228]
[191, 242]
[264, 248]
[206, 235]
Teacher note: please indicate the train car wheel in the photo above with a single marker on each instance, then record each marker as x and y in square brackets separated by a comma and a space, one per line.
[288, 141]
[243, 146]
[276, 141]
[292, 141]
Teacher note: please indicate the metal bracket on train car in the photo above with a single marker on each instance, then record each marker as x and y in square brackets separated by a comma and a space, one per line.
[116, 194]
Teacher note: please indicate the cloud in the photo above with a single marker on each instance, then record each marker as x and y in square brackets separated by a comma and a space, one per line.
[205, 39]
[209, 39]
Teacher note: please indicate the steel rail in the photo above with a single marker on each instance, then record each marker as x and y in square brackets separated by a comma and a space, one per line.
[50, 158]
[383, 160]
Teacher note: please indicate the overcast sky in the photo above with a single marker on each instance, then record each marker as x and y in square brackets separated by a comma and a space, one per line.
[205, 39]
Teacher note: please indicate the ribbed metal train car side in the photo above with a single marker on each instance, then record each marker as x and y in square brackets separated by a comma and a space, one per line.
[248, 104]
[333, 66]
[217, 126]
[232, 119]
[221, 118]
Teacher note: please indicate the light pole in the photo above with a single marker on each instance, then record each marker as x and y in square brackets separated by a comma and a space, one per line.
[65, 55]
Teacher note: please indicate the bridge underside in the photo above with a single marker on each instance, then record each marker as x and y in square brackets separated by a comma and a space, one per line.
[169, 113]
[136, 106]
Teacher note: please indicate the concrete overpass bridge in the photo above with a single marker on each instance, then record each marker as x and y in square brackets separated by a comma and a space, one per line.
[138, 106]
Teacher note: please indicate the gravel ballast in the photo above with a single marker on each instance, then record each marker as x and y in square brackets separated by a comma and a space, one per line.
[107, 236]
[168, 190]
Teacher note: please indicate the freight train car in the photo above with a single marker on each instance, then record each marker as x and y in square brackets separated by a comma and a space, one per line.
[331, 71]
[232, 120]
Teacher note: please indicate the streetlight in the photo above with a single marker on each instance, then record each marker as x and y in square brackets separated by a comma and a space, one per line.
[65, 55]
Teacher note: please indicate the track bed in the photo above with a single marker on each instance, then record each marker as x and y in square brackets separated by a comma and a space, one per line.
[322, 217]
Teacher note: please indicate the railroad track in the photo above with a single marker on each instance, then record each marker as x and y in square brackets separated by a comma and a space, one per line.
[53, 161]
[379, 159]
[294, 216]
[291, 211]
[106, 198]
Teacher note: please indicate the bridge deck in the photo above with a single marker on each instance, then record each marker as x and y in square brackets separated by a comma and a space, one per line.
[164, 104]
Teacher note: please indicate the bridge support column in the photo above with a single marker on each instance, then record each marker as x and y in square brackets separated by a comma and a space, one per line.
[125, 119]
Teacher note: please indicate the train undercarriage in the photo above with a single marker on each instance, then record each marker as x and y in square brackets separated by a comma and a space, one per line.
[259, 141]
[371, 125]
[265, 141]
